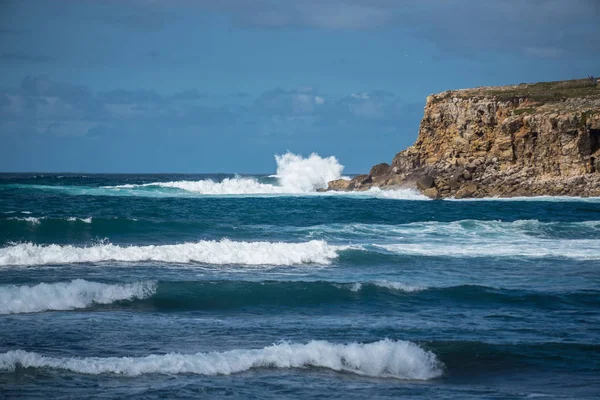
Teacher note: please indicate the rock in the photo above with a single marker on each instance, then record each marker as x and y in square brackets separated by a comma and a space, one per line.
[382, 169]
[466, 191]
[395, 180]
[453, 183]
[432, 193]
[596, 164]
[515, 140]
[361, 182]
[425, 182]
[339, 185]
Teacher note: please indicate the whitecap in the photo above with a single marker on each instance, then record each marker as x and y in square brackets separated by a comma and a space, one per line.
[31, 220]
[385, 358]
[295, 174]
[76, 294]
[87, 220]
[209, 251]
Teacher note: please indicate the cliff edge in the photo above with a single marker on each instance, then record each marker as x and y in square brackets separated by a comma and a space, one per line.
[523, 140]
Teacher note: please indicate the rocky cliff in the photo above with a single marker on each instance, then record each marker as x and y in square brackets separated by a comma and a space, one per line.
[524, 140]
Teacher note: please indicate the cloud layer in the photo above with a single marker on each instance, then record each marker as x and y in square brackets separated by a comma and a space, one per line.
[42, 106]
[536, 28]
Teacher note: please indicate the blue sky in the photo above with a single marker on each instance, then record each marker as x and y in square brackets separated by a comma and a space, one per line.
[223, 85]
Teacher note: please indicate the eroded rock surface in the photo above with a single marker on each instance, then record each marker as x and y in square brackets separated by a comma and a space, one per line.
[524, 140]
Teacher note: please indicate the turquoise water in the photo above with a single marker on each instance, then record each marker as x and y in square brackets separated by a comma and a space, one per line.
[186, 286]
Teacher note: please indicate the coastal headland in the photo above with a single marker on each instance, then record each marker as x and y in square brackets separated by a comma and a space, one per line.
[522, 140]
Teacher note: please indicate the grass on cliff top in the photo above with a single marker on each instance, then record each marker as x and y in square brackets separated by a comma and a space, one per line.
[542, 92]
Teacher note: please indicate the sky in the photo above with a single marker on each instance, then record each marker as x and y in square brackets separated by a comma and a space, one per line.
[224, 85]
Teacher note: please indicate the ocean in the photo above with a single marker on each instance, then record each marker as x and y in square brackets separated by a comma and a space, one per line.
[260, 287]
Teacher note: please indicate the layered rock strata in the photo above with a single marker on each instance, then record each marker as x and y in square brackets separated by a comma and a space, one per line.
[524, 140]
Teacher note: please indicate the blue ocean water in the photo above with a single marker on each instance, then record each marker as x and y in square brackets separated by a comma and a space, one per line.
[187, 286]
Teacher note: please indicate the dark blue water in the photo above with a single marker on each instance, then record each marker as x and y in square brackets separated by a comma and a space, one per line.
[164, 286]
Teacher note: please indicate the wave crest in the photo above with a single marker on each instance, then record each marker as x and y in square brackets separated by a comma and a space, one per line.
[78, 293]
[295, 174]
[385, 358]
[206, 251]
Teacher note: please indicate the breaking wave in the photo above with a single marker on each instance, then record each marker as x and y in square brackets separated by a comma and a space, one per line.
[385, 358]
[208, 252]
[295, 174]
[38, 220]
[76, 294]
[31, 220]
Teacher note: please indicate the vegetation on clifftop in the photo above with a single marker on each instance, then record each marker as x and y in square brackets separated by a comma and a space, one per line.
[539, 93]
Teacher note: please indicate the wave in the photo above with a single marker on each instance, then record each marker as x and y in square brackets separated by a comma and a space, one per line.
[169, 296]
[76, 294]
[87, 220]
[468, 238]
[208, 252]
[578, 249]
[236, 186]
[31, 220]
[295, 174]
[79, 293]
[385, 358]
[218, 295]
[38, 220]
[505, 230]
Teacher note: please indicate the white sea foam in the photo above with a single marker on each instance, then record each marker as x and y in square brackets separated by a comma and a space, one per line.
[401, 287]
[299, 174]
[78, 293]
[468, 238]
[397, 194]
[296, 175]
[31, 220]
[386, 358]
[398, 286]
[87, 220]
[533, 198]
[209, 252]
[467, 229]
[38, 220]
[583, 249]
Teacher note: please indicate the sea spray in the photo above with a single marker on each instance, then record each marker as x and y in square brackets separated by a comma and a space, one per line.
[298, 174]
[295, 174]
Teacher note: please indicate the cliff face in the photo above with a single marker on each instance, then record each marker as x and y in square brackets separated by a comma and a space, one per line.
[540, 139]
